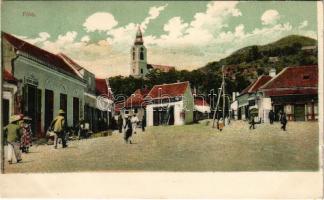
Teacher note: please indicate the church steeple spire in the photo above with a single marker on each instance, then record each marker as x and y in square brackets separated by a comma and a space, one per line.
[139, 37]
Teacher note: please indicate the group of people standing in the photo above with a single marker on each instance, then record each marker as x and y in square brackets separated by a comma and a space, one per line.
[272, 116]
[129, 125]
[18, 136]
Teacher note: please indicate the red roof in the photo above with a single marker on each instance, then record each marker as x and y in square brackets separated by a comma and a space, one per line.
[201, 102]
[102, 88]
[162, 68]
[73, 64]
[168, 90]
[7, 76]
[38, 53]
[253, 87]
[299, 80]
[137, 98]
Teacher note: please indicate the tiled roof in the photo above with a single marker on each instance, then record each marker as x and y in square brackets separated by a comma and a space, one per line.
[162, 68]
[253, 87]
[72, 63]
[168, 90]
[7, 76]
[38, 53]
[299, 80]
[201, 102]
[102, 88]
[137, 98]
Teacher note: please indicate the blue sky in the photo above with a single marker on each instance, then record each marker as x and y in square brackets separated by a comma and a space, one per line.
[99, 34]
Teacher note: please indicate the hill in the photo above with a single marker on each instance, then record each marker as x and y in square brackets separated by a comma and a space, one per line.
[255, 60]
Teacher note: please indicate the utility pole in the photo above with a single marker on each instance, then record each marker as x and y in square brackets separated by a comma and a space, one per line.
[223, 84]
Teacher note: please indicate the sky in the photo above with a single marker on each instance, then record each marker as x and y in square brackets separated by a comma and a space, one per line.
[186, 34]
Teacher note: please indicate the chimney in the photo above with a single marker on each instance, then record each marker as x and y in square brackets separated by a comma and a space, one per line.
[272, 72]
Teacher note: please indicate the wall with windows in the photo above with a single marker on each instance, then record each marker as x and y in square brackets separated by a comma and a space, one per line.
[38, 80]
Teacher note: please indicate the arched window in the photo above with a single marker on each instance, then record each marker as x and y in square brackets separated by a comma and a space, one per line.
[133, 53]
[142, 54]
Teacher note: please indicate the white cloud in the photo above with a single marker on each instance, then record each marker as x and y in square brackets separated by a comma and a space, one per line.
[85, 38]
[42, 36]
[303, 24]
[154, 12]
[270, 17]
[185, 44]
[100, 21]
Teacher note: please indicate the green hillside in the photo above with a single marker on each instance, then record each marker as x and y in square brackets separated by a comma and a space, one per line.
[255, 60]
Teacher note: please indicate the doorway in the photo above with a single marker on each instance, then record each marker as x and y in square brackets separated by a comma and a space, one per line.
[299, 112]
[63, 105]
[49, 108]
[5, 112]
[76, 111]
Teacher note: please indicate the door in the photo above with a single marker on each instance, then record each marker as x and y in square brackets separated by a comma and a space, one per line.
[63, 105]
[38, 119]
[5, 112]
[76, 111]
[30, 106]
[277, 110]
[171, 115]
[299, 112]
[49, 108]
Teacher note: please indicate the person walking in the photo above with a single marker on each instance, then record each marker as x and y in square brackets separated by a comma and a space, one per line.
[143, 123]
[252, 123]
[271, 116]
[283, 121]
[120, 123]
[128, 130]
[26, 139]
[13, 133]
[134, 121]
[221, 124]
[59, 127]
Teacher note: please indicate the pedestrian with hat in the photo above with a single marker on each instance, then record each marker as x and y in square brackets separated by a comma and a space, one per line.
[26, 139]
[13, 134]
[128, 130]
[58, 126]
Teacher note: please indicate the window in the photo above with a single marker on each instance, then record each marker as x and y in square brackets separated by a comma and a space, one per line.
[141, 71]
[135, 110]
[142, 54]
[305, 77]
[133, 54]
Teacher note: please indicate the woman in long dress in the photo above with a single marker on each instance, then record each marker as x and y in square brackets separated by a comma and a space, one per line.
[13, 133]
[26, 139]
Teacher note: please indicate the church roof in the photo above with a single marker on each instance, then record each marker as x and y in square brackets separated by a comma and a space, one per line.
[162, 68]
[139, 37]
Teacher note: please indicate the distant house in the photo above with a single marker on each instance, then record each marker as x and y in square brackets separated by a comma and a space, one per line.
[169, 104]
[295, 91]
[309, 49]
[135, 104]
[201, 109]
[273, 59]
[249, 98]
[160, 68]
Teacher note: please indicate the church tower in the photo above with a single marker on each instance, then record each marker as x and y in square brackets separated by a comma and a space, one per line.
[138, 56]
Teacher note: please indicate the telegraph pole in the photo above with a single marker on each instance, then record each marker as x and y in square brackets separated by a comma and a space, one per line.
[223, 84]
[221, 91]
